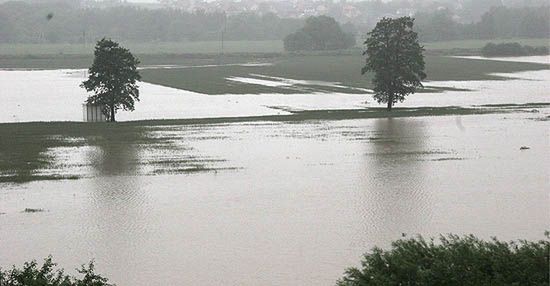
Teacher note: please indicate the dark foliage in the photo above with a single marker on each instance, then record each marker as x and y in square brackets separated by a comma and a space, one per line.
[113, 78]
[395, 56]
[512, 49]
[46, 275]
[22, 22]
[319, 34]
[453, 261]
[498, 22]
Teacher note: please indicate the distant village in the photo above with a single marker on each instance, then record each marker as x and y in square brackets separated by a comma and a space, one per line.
[283, 9]
[357, 11]
[344, 11]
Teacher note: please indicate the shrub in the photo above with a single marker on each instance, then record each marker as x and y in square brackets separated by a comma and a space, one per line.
[512, 49]
[453, 261]
[46, 275]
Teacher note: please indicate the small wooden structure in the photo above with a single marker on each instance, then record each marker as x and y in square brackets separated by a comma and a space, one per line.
[93, 113]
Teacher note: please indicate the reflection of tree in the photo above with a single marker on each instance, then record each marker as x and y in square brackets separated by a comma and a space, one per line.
[115, 218]
[396, 202]
[116, 152]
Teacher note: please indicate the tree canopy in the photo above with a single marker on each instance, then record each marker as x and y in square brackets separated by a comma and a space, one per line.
[319, 33]
[113, 78]
[395, 56]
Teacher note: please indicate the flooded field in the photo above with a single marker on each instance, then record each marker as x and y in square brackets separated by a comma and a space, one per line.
[55, 95]
[263, 202]
[281, 203]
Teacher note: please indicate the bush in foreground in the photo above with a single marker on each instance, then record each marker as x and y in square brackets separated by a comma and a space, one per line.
[33, 275]
[453, 261]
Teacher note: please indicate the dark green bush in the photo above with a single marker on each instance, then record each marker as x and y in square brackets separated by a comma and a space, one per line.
[33, 275]
[320, 33]
[453, 261]
[512, 49]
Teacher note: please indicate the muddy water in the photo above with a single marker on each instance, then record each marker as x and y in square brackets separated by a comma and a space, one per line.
[302, 202]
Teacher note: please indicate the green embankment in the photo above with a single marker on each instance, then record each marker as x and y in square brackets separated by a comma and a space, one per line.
[205, 47]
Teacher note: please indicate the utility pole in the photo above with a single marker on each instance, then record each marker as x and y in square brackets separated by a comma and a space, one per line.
[223, 30]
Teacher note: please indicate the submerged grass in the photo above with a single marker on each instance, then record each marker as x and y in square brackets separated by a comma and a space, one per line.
[29, 210]
[117, 150]
[23, 146]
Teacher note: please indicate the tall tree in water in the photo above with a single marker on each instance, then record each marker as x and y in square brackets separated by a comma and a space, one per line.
[395, 56]
[113, 78]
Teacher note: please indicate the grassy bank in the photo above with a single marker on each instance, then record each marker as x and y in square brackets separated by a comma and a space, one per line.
[152, 48]
[214, 47]
[24, 147]
[54, 56]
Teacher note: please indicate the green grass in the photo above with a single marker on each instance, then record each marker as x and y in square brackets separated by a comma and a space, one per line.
[344, 69]
[53, 56]
[84, 61]
[23, 146]
[206, 47]
[214, 47]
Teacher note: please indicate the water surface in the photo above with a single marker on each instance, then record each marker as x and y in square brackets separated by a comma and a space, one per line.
[303, 201]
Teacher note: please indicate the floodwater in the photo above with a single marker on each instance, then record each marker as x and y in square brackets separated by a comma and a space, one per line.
[303, 201]
[277, 203]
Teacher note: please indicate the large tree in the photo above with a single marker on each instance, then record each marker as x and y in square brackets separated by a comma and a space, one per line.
[113, 78]
[395, 56]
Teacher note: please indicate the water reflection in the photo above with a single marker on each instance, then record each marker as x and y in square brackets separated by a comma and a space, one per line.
[396, 202]
[116, 152]
[115, 219]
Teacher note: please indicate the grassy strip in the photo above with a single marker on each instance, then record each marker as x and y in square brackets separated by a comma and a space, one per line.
[55, 56]
[199, 47]
[214, 47]
[84, 61]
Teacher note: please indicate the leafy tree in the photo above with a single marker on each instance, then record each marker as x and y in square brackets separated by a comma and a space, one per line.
[319, 33]
[395, 56]
[453, 260]
[46, 275]
[112, 78]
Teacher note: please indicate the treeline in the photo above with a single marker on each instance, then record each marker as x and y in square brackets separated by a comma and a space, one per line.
[498, 22]
[28, 23]
[22, 22]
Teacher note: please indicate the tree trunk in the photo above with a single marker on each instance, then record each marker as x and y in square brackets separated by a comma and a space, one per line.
[113, 113]
[390, 102]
